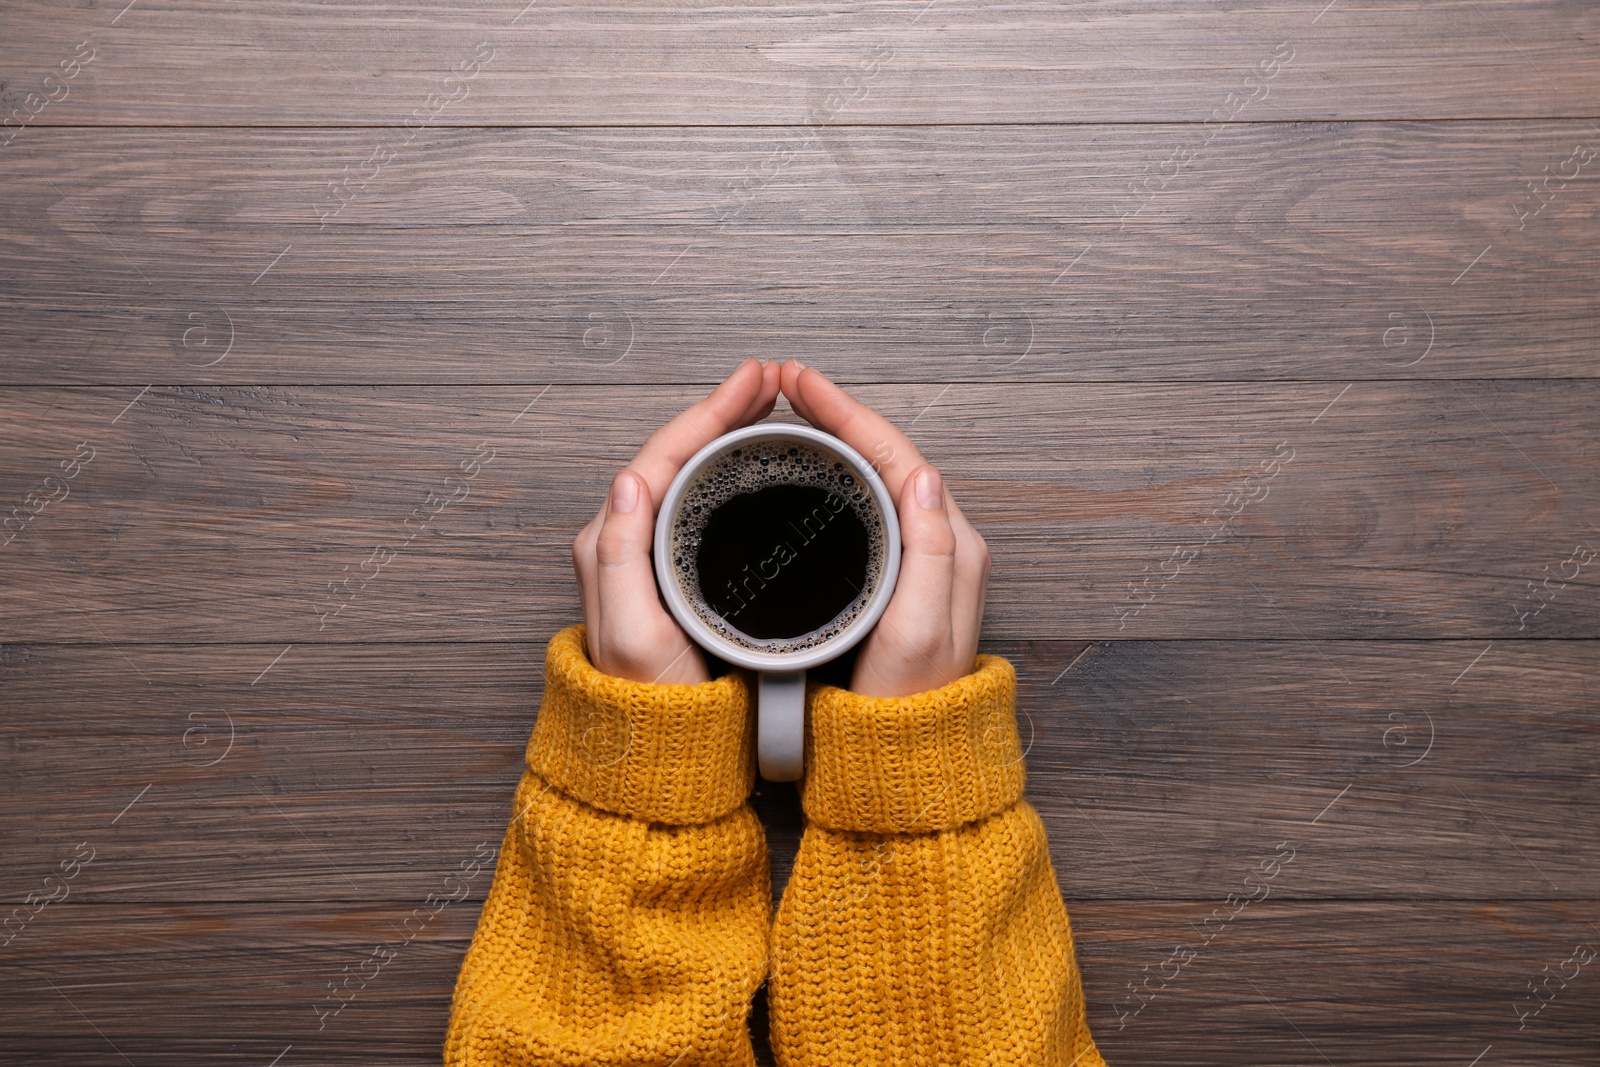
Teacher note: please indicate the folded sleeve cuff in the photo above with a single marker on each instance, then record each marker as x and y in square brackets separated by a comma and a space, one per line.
[662, 753]
[931, 761]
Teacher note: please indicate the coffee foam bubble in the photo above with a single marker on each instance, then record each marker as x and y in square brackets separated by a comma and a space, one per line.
[756, 465]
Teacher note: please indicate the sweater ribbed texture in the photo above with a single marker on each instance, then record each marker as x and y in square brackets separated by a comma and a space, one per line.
[932, 761]
[922, 925]
[663, 753]
[628, 922]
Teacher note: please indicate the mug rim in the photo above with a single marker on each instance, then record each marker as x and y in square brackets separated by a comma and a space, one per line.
[703, 634]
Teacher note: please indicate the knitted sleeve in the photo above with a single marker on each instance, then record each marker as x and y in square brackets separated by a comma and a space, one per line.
[922, 924]
[627, 920]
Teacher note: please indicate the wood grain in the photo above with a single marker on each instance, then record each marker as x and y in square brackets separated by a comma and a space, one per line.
[1162, 769]
[298, 63]
[275, 279]
[1283, 984]
[1285, 251]
[1426, 181]
[1418, 509]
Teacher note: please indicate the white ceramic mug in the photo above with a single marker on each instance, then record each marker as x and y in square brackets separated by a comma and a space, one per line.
[781, 687]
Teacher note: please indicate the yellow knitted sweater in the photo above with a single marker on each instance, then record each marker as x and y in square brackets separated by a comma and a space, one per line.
[629, 921]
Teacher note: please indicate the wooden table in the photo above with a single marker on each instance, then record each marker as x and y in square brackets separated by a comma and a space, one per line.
[1258, 339]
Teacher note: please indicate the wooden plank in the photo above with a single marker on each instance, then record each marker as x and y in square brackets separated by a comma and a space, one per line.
[300, 63]
[1278, 511]
[1286, 985]
[1339, 983]
[1425, 177]
[1161, 769]
[993, 253]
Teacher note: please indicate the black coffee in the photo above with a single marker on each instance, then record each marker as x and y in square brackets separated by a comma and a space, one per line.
[777, 545]
[782, 561]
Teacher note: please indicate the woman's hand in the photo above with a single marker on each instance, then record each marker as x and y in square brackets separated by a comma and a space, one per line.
[928, 636]
[630, 634]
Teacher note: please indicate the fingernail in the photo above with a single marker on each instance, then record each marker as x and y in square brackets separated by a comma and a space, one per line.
[624, 493]
[797, 363]
[930, 494]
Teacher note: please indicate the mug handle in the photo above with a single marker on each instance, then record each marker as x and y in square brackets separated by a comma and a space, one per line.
[781, 724]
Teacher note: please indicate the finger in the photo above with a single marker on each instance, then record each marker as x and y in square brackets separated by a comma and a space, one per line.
[964, 529]
[971, 588]
[830, 408]
[787, 375]
[583, 563]
[765, 400]
[923, 592]
[624, 579]
[748, 390]
[636, 638]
